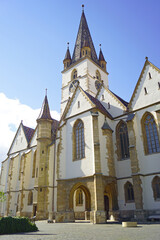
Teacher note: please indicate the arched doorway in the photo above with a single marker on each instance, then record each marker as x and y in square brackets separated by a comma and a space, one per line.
[106, 205]
[80, 201]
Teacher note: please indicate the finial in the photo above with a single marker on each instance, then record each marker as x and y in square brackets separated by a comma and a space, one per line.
[100, 45]
[146, 58]
[46, 91]
[68, 45]
[22, 121]
[82, 7]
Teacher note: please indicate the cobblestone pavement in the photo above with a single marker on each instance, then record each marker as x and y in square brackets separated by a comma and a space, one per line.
[88, 231]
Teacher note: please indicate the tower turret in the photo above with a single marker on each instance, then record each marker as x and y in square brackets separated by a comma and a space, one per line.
[102, 60]
[67, 58]
[44, 139]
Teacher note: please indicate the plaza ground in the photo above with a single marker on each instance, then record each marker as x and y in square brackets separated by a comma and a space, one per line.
[88, 231]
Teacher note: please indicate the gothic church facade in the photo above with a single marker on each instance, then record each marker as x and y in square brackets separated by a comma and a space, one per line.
[101, 160]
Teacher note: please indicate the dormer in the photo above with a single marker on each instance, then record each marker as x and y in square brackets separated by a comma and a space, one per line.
[85, 50]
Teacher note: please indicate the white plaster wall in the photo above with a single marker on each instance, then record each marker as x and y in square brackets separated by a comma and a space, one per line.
[34, 139]
[121, 195]
[141, 99]
[66, 81]
[148, 198]
[3, 183]
[19, 142]
[148, 163]
[85, 166]
[116, 108]
[62, 156]
[84, 104]
[4, 174]
[103, 149]
[92, 68]
[86, 69]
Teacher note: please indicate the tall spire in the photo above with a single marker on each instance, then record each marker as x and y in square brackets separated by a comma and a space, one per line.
[82, 36]
[45, 112]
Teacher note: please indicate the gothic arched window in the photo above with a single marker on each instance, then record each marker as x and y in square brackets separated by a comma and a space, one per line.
[78, 141]
[98, 75]
[122, 141]
[129, 193]
[156, 187]
[150, 134]
[74, 74]
[79, 197]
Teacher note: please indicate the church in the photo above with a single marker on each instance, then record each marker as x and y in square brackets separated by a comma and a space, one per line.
[101, 161]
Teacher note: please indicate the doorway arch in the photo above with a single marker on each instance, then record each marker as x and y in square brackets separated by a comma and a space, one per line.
[81, 190]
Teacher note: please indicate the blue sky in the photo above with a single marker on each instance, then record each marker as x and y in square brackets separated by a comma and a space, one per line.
[34, 36]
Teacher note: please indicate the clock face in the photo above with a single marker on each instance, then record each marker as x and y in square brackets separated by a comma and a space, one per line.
[73, 85]
[97, 84]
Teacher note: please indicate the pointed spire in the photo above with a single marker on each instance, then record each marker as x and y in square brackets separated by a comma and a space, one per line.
[83, 36]
[67, 56]
[45, 112]
[102, 60]
[101, 57]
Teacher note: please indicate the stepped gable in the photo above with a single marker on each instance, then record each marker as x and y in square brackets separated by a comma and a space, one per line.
[99, 105]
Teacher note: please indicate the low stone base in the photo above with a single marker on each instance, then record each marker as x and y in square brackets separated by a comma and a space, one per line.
[98, 217]
[64, 217]
[129, 224]
[41, 215]
[87, 215]
[114, 215]
[140, 215]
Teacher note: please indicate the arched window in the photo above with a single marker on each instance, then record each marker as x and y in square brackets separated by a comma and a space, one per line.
[74, 74]
[78, 141]
[98, 75]
[150, 134]
[79, 197]
[17, 203]
[30, 198]
[122, 141]
[34, 164]
[156, 187]
[129, 193]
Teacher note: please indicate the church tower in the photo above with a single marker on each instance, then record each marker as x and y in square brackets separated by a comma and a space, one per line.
[44, 125]
[84, 68]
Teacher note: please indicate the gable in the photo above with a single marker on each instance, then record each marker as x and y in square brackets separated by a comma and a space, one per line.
[19, 141]
[80, 103]
[111, 102]
[147, 90]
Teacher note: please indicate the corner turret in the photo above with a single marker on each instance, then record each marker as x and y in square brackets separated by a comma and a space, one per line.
[102, 61]
[67, 58]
